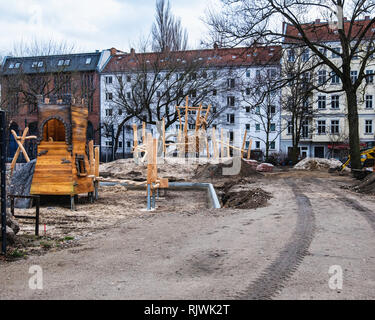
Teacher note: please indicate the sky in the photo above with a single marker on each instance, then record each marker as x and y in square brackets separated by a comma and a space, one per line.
[91, 25]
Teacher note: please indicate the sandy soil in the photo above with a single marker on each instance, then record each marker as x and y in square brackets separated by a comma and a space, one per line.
[185, 251]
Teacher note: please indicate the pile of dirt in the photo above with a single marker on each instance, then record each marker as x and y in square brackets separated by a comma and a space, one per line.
[246, 199]
[318, 164]
[224, 170]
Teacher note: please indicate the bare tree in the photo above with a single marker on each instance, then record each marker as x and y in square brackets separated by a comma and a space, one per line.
[250, 21]
[264, 102]
[148, 87]
[167, 31]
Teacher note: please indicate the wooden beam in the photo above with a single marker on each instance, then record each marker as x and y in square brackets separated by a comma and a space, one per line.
[135, 140]
[91, 155]
[97, 161]
[249, 149]
[20, 148]
[243, 143]
[214, 143]
[163, 132]
[143, 132]
[221, 144]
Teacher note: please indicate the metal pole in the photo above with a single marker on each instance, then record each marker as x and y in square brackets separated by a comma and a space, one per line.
[3, 181]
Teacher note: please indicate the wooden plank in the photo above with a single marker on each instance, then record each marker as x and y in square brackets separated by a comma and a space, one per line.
[92, 159]
[97, 160]
[249, 149]
[14, 161]
[135, 140]
[243, 143]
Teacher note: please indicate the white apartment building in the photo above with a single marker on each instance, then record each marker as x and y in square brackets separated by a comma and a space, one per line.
[329, 126]
[233, 71]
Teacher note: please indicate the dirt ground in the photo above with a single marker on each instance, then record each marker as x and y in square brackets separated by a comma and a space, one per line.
[281, 248]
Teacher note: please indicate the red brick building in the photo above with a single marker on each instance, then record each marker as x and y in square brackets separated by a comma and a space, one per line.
[24, 79]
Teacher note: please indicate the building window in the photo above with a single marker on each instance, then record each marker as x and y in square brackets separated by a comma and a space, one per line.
[335, 102]
[194, 93]
[322, 77]
[257, 144]
[17, 65]
[323, 51]
[290, 127]
[257, 110]
[271, 110]
[66, 62]
[231, 83]
[354, 76]
[230, 118]
[247, 109]
[369, 101]
[321, 127]
[108, 112]
[214, 92]
[248, 127]
[257, 127]
[247, 91]
[321, 102]
[230, 101]
[273, 145]
[108, 80]
[60, 63]
[109, 96]
[335, 126]
[88, 60]
[158, 94]
[248, 74]
[370, 76]
[291, 55]
[305, 55]
[273, 127]
[34, 64]
[337, 53]
[368, 126]
[335, 79]
[305, 129]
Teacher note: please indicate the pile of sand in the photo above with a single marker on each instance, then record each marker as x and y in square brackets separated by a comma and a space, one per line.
[210, 171]
[318, 164]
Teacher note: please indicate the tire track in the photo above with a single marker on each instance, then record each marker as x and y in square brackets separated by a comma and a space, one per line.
[368, 214]
[273, 278]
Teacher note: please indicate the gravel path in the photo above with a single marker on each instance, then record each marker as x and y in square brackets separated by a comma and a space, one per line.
[224, 254]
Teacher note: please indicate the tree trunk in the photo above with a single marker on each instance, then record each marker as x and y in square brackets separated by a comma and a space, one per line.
[355, 153]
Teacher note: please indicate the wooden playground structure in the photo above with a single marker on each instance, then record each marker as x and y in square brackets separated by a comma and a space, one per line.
[194, 141]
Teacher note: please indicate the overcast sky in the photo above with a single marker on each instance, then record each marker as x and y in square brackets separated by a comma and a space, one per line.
[91, 24]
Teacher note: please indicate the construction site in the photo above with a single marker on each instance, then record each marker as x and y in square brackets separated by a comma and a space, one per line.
[192, 218]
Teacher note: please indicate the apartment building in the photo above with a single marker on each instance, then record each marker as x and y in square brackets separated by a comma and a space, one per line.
[224, 80]
[326, 133]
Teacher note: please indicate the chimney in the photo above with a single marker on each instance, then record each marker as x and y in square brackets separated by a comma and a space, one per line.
[317, 21]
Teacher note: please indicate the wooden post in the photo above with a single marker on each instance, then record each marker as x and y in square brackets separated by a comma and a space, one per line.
[214, 143]
[163, 132]
[143, 132]
[20, 148]
[249, 149]
[228, 147]
[186, 125]
[135, 141]
[243, 143]
[221, 142]
[91, 155]
[97, 160]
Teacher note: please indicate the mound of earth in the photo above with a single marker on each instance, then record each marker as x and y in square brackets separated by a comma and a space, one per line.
[225, 170]
[246, 199]
[318, 164]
